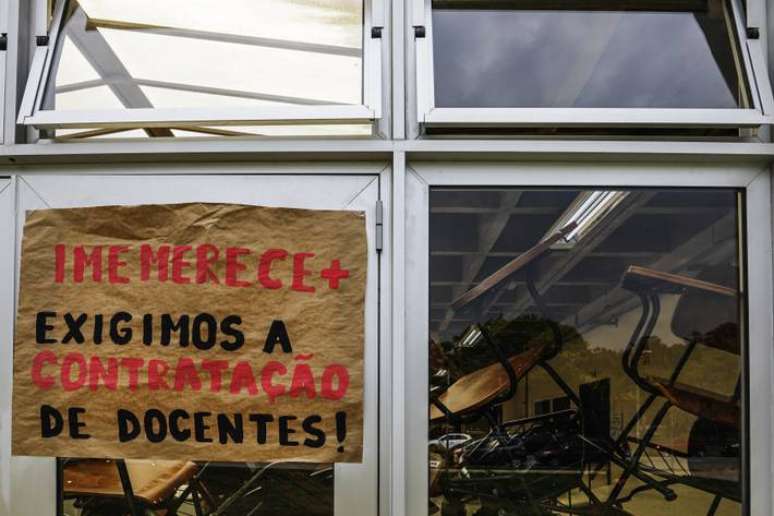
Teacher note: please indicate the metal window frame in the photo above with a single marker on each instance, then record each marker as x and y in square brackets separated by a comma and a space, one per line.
[21, 489]
[752, 52]
[42, 73]
[421, 176]
[5, 13]
[756, 13]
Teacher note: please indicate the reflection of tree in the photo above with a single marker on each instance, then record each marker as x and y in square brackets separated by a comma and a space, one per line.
[512, 336]
[578, 363]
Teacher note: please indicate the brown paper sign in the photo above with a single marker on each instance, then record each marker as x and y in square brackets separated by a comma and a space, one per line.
[191, 331]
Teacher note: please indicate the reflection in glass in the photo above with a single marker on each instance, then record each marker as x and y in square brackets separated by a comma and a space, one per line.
[105, 487]
[585, 352]
[490, 57]
[183, 54]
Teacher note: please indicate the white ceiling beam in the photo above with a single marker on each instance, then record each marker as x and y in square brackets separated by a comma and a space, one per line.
[489, 230]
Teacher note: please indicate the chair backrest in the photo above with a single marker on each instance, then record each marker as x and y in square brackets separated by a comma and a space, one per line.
[710, 319]
[595, 402]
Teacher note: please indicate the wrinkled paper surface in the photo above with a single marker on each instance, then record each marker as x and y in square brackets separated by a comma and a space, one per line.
[327, 324]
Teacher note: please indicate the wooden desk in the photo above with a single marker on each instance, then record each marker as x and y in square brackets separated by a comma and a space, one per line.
[638, 278]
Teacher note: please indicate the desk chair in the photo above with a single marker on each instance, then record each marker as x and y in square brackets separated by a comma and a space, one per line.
[706, 314]
[107, 486]
[478, 392]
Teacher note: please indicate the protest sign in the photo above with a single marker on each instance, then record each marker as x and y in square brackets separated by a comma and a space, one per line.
[191, 331]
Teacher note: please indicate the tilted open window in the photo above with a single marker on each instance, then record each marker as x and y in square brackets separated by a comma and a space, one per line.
[274, 67]
[584, 63]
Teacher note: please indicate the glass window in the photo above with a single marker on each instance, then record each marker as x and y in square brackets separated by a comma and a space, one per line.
[585, 352]
[238, 53]
[93, 487]
[586, 55]
[272, 52]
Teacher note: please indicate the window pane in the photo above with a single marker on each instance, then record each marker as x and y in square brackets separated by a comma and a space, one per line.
[92, 487]
[604, 58]
[252, 131]
[177, 54]
[573, 332]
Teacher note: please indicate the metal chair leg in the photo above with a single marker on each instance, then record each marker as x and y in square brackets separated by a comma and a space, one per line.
[634, 460]
[714, 506]
[60, 486]
[242, 490]
[650, 482]
[197, 503]
[126, 483]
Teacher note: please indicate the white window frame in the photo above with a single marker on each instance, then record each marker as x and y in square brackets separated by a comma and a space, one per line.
[25, 480]
[752, 51]
[41, 74]
[411, 342]
[5, 13]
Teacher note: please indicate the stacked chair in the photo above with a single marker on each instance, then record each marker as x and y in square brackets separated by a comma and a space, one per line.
[107, 486]
[707, 314]
[499, 471]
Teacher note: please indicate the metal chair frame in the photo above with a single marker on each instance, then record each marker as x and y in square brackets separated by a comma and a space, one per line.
[612, 449]
[194, 489]
[635, 348]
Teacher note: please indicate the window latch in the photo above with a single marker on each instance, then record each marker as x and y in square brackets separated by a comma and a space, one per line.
[3, 42]
[419, 31]
[376, 32]
[753, 33]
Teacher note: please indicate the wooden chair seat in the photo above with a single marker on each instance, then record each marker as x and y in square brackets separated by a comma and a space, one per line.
[476, 389]
[152, 481]
[701, 403]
